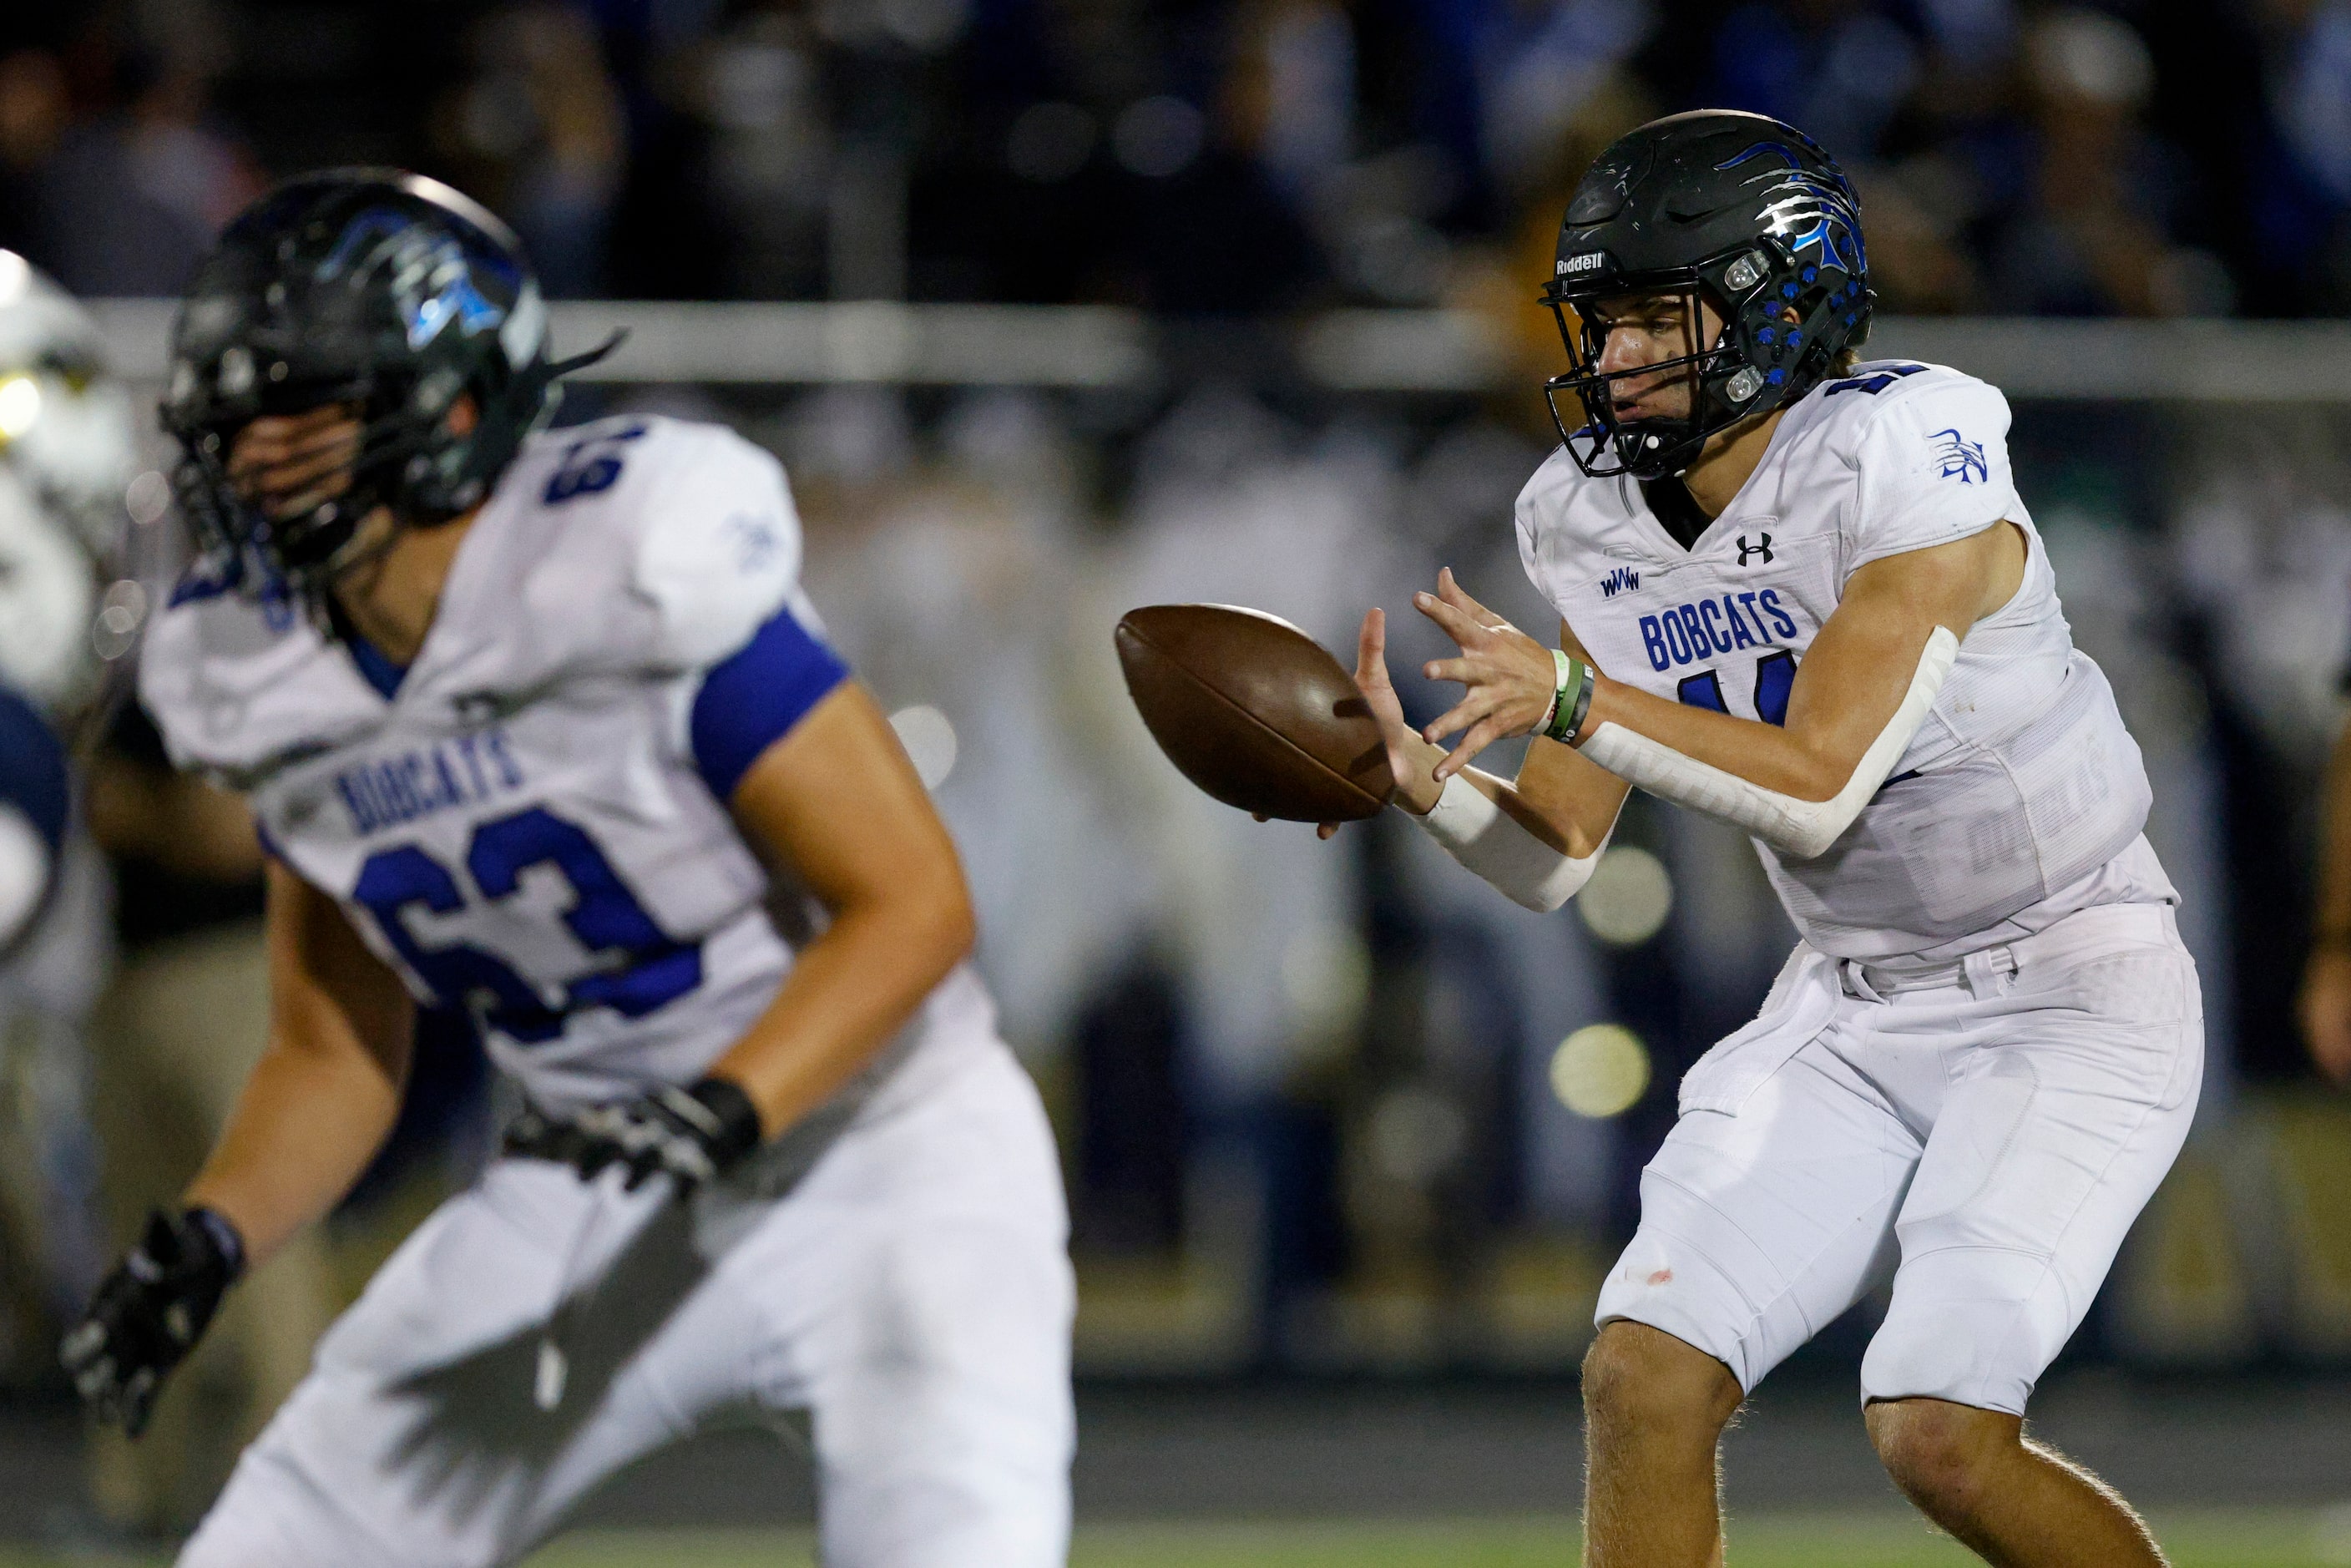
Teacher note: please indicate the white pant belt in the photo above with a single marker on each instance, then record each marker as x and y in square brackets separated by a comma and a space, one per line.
[1981, 972]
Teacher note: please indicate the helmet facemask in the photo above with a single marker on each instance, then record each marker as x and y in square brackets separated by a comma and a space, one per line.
[1644, 448]
[405, 462]
[1775, 310]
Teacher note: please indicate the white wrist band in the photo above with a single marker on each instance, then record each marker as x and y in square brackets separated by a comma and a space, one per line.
[1483, 837]
[1803, 829]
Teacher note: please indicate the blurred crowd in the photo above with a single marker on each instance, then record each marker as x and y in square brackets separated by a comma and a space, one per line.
[1323, 1105]
[2016, 157]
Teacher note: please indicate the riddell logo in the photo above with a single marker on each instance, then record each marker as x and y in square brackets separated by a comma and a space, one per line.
[1622, 580]
[1569, 265]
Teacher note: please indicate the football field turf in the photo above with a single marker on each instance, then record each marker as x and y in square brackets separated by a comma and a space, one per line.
[2282, 1537]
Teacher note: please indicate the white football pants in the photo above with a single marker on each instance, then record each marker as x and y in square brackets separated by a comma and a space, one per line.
[1985, 1143]
[912, 1292]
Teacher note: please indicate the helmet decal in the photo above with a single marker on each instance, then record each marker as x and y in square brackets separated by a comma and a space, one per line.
[431, 276]
[1807, 209]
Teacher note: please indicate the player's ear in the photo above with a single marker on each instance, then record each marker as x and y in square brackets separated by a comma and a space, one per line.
[464, 416]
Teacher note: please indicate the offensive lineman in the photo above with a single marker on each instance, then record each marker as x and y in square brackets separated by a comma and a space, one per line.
[1824, 616]
[67, 454]
[541, 725]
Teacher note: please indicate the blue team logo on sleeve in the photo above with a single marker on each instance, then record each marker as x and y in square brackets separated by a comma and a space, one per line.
[1961, 459]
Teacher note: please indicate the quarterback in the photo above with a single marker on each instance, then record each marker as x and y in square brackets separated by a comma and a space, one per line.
[538, 723]
[1799, 592]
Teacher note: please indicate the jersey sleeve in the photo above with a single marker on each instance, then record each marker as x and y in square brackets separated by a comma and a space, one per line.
[720, 550]
[35, 803]
[721, 565]
[1540, 496]
[1933, 467]
[1525, 521]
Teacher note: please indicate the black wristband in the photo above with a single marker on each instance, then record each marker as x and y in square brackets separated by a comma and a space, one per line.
[1582, 708]
[739, 1119]
[228, 1244]
[1572, 701]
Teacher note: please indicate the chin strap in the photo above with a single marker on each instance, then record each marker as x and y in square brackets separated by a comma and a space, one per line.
[555, 369]
[1800, 829]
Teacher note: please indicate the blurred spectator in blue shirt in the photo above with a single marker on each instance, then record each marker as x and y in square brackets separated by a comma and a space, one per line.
[123, 200]
[1839, 68]
[537, 134]
[2088, 235]
[2303, 175]
[1543, 67]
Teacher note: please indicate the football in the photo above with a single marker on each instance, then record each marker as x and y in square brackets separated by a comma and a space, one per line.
[1254, 712]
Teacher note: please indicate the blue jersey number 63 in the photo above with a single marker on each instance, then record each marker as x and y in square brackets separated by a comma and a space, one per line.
[640, 967]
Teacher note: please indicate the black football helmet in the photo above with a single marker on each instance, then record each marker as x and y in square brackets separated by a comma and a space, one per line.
[1740, 211]
[370, 287]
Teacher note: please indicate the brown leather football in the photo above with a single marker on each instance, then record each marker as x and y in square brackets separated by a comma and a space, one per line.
[1254, 712]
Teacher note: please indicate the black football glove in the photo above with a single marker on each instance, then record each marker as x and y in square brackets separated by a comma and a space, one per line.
[148, 1313]
[693, 1135]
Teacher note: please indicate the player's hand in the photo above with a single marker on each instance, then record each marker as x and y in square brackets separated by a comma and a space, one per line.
[1512, 678]
[1414, 789]
[2325, 1008]
[288, 463]
[148, 1313]
[692, 1136]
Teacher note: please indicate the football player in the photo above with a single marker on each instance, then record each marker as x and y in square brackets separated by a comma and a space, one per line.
[538, 723]
[65, 455]
[1799, 593]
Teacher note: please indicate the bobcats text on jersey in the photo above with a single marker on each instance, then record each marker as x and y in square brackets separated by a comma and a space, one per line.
[1693, 632]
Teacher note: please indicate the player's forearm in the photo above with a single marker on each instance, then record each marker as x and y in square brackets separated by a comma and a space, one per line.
[1567, 806]
[1799, 822]
[305, 1128]
[848, 993]
[1797, 762]
[1535, 839]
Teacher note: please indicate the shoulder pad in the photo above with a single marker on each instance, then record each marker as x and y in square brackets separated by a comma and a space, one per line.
[681, 535]
[720, 553]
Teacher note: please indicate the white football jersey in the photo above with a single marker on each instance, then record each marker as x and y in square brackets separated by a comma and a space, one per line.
[529, 821]
[2021, 797]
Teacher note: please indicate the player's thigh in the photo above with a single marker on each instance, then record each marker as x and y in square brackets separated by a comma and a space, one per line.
[939, 1376]
[1759, 1228]
[416, 1440]
[2055, 1130]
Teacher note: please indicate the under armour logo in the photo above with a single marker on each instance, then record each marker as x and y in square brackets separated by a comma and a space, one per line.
[485, 706]
[1763, 549]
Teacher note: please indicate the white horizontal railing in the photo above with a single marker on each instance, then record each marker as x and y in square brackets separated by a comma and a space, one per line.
[1083, 346]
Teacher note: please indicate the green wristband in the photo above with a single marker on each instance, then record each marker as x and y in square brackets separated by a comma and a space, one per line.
[1572, 699]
